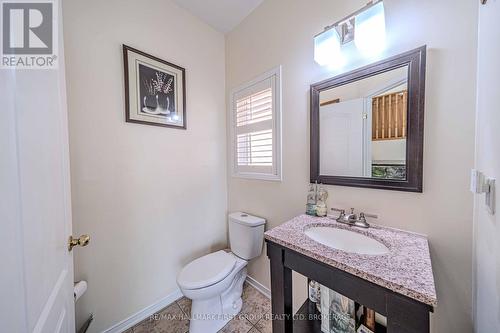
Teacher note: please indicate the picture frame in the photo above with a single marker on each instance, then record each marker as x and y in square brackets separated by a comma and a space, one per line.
[155, 90]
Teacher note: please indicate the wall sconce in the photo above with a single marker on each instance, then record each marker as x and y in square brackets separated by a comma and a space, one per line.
[366, 27]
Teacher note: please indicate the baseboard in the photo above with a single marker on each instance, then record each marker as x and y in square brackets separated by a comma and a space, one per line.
[260, 287]
[144, 313]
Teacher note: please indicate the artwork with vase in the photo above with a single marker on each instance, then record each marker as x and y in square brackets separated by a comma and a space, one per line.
[154, 90]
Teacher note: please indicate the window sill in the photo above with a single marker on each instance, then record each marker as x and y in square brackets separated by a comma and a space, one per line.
[258, 176]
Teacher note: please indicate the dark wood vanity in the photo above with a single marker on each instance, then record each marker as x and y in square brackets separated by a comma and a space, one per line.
[288, 251]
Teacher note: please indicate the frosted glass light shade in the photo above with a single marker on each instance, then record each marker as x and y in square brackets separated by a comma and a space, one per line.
[369, 33]
[327, 48]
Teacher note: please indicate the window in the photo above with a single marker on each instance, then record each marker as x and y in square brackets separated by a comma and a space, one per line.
[256, 128]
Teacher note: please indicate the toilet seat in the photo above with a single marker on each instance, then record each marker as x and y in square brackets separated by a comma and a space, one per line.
[207, 270]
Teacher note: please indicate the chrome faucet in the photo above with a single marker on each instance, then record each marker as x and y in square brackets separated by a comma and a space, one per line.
[352, 219]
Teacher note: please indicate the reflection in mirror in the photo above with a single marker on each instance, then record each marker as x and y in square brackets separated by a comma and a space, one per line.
[363, 127]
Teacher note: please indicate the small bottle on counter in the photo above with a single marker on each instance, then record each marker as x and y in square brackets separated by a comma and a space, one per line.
[321, 209]
[311, 200]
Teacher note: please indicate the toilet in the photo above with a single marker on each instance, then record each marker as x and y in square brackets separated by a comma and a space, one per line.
[214, 282]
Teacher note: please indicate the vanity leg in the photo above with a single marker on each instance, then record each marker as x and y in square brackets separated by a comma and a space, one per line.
[281, 291]
[406, 316]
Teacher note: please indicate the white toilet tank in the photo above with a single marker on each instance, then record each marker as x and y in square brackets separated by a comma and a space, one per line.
[246, 233]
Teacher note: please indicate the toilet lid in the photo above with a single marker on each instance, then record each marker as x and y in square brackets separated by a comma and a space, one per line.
[206, 271]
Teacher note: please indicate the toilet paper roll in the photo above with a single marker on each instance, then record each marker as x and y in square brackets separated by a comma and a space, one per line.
[79, 289]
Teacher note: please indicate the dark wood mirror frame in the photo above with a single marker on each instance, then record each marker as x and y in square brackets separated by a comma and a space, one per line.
[415, 60]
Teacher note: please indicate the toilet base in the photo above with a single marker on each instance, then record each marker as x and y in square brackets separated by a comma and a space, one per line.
[212, 314]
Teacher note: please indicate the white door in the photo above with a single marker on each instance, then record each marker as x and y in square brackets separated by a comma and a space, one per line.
[341, 137]
[486, 225]
[36, 277]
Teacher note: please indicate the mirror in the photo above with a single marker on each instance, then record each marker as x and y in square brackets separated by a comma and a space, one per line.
[367, 125]
[363, 127]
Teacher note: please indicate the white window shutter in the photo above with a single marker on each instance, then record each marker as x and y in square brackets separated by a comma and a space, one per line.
[256, 128]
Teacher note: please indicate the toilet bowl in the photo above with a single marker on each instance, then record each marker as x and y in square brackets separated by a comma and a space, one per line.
[214, 282]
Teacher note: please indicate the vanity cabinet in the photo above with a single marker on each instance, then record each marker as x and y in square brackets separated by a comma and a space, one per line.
[404, 315]
[407, 307]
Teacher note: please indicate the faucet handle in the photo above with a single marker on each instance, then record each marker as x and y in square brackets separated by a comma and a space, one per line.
[338, 210]
[361, 221]
[352, 210]
[373, 216]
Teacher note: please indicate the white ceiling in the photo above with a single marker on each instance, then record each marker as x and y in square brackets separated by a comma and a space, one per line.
[223, 15]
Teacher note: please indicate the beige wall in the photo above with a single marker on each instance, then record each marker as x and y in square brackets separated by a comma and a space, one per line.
[152, 198]
[487, 226]
[280, 32]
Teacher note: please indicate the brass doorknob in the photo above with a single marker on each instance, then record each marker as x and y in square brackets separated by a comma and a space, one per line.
[83, 240]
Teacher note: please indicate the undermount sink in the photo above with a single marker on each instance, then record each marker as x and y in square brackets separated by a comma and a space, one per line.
[346, 240]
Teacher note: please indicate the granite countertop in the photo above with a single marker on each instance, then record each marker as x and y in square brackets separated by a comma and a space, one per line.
[406, 269]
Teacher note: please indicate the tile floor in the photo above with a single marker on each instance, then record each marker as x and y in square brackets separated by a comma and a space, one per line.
[253, 318]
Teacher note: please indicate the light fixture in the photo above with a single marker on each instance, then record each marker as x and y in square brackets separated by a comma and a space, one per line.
[327, 49]
[366, 27]
[370, 30]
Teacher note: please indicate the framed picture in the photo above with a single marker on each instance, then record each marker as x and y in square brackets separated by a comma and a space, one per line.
[155, 90]
[337, 312]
